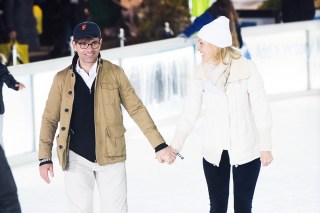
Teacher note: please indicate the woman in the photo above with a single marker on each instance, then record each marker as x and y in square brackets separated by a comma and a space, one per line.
[236, 128]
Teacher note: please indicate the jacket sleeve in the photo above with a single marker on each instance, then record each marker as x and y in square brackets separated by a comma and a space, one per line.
[260, 108]
[7, 78]
[50, 120]
[138, 111]
[189, 114]
[198, 23]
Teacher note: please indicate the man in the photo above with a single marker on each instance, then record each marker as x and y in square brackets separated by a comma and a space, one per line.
[85, 100]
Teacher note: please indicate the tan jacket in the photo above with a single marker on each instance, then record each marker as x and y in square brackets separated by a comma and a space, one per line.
[112, 88]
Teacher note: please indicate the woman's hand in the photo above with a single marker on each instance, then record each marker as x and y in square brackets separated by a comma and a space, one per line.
[266, 158]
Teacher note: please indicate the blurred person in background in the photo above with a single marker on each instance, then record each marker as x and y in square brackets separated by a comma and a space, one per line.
[8, 79]
[297, 10]
[217, 9]
[161, 19]
[9, 202]
[108, 16]
[129, 9]
[236, 130]
[3, 36]
[72, 12]
[113, 15]
[20, 23]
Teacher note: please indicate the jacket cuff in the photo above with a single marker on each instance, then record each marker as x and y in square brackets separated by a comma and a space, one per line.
[45, 161]
[265, 139]
[16, 88]
[178, 140]
[160, 147]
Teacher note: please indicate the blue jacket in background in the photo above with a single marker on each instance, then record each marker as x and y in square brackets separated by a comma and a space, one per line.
[198, 23]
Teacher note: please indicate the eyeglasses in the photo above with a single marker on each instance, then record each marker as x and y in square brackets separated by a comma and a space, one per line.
[84, 45]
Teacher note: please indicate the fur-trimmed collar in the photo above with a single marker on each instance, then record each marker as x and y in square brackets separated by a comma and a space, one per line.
[239, 69]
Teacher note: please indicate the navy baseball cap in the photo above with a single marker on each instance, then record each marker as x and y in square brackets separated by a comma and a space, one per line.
[86, 30]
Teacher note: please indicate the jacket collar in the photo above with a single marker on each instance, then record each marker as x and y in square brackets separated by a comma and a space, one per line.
[209, 72]
[239, 70]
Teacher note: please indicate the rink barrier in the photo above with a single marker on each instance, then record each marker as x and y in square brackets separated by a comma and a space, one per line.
[287, 56]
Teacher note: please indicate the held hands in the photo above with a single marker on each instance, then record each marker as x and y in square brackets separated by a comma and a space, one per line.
[44, 170]
[266, 158]
[167, 155]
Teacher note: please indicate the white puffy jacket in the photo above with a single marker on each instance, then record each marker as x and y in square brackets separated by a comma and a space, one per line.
[238, 117]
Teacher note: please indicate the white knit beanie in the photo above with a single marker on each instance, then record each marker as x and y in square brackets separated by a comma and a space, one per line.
[217, 32]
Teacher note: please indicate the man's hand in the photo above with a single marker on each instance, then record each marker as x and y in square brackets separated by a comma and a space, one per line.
[44, 169]
[266, 158]
[167, 154]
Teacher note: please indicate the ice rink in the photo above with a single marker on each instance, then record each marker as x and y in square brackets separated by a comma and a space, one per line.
[291, 184]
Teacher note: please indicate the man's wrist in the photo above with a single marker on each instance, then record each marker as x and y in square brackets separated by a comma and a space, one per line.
[45, 161]
[160, 147]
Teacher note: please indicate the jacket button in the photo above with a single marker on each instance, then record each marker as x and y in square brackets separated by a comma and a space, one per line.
[66, 110]
[63, 128]
[70, 92]
[72, 75]
[60, 146]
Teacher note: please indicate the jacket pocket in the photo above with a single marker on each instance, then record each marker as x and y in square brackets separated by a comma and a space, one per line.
[110, 93]
[116, 146]
[60, 152]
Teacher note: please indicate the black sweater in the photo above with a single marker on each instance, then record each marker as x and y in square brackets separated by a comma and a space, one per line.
[82, 130]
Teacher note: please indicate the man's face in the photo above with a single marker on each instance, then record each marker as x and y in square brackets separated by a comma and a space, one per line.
[87, 49]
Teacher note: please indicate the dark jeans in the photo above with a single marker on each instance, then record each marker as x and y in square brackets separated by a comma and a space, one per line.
[244, 182]
[9, 202]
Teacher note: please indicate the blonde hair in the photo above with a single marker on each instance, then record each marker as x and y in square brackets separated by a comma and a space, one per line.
[223, 53]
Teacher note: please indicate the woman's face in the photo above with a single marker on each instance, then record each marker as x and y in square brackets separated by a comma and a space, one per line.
[208, 51]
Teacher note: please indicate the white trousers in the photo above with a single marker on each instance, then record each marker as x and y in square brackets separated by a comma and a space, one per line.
[80, 178]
